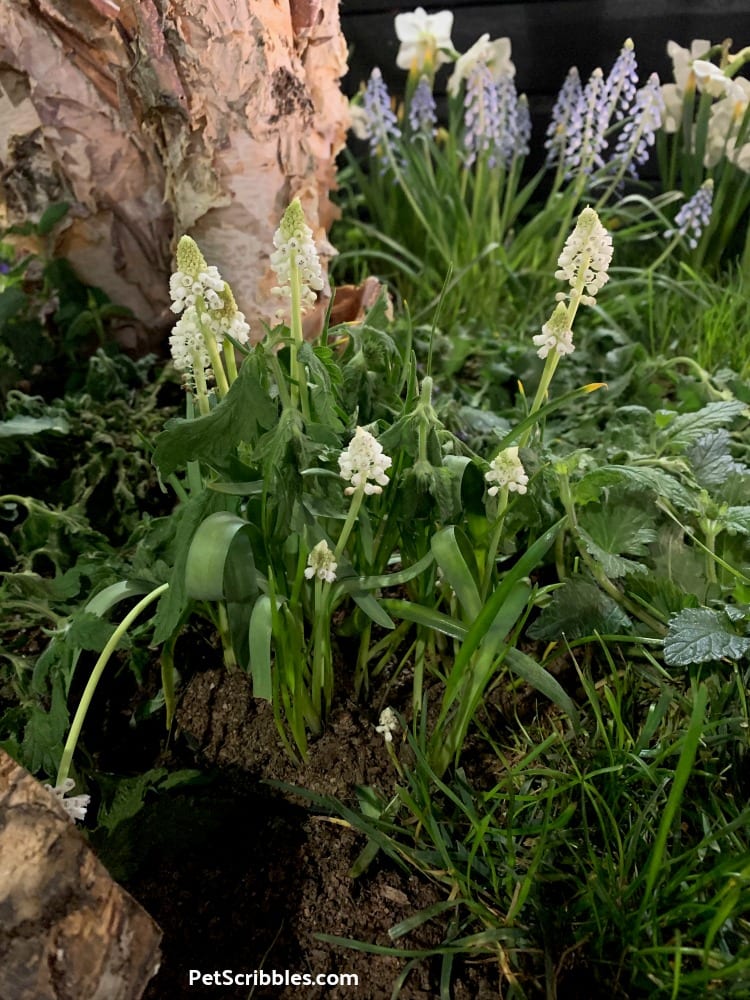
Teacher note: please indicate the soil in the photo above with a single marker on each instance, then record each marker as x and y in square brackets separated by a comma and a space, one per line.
[243, 876]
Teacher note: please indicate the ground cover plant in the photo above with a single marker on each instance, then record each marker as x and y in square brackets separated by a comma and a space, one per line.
[526, 556]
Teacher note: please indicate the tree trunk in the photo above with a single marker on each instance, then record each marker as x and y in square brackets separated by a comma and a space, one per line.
[68, 932]
[156, 118]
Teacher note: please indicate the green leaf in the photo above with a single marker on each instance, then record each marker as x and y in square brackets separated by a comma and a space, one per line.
[613, 565]
[687, 428]
[22, 426]
[260, 635]
[698, 635]
[173, 604]
[220, 561]
[711, 459]
[651, 481]
[535, 675]
[373, 610]
[106, 599]
[44, 735]
[51, 216]
[387, 579]
[736, 520]
[454, 556]
[504, 594]
[89, 631]
[579, 608]
[12, 302]
[420, 615]
[240, 417]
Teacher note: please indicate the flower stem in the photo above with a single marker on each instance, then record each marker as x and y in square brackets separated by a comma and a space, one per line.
[350, 521]
[299, 375]
[104, 657]
[502, 505]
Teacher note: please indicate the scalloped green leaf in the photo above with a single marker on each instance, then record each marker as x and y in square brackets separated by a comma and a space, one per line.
[698, 635]
[241, 416]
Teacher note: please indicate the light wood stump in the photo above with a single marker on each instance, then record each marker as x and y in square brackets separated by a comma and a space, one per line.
[67, 931]
[155, 118]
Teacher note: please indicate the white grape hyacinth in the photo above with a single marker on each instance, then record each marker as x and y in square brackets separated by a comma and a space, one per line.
[74, 805]
[388, 724]
[586, 255]
[364, 465]
[556, 334]
[207, 304]
[321, 563]
[506, 471]
[294, 243]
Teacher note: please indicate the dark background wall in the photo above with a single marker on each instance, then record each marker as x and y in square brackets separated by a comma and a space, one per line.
[548, 36]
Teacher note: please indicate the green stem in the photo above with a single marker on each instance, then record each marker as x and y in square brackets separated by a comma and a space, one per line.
[299, 374]
[502, 504]
[230, 657]
[96, 673]
[351, 518]
[230, 360]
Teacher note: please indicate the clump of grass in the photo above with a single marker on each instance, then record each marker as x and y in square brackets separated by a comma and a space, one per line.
[689, 313]
[617, 860]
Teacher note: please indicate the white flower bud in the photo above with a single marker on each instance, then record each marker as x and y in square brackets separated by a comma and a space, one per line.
[506, 470]
[321, 563]
[363, 464]
[388, 724]
[587, 254]
[75, 805]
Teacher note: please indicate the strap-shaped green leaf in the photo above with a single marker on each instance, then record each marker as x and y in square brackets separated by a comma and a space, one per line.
[420, 615]
[373, 610]
[260, 633]
[528, 561]
[220, 560]
[453, 555]
[543, 682]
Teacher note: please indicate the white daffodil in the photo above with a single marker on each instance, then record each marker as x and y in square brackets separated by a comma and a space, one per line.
[494, 55]
[710, 79]
[724, 123]
[674, 93]
[506, 470]
[321, 563]
[364, 465]
[425, 40]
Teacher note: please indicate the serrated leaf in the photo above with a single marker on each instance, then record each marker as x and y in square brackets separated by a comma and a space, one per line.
[620, 528]
[697, 635]
[736, 520]
[89, 631]
[711, 460]
[687, 428]
[612, 564]
[128, 798]
[241, 416]
[577, 609]
[44, 735]
[651, 481]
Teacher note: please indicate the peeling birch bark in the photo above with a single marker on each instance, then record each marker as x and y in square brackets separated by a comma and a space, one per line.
[162, 117]
[68, 931]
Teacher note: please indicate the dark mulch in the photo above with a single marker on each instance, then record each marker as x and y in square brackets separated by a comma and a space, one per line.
[242, 876]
